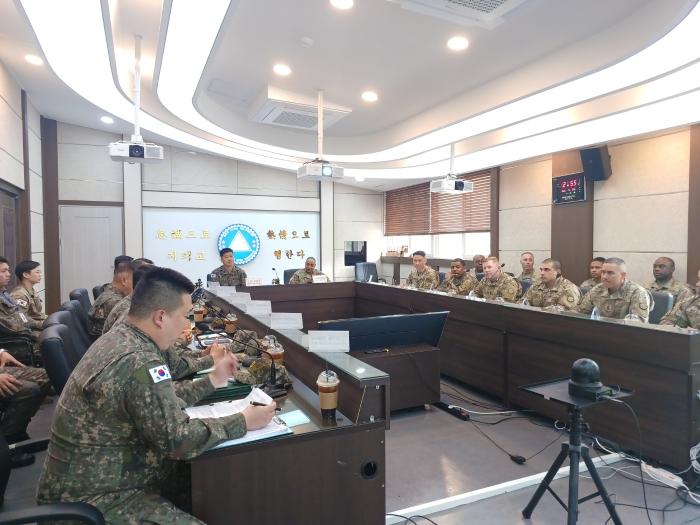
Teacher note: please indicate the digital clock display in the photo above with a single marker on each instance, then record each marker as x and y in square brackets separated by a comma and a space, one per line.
[569, 188]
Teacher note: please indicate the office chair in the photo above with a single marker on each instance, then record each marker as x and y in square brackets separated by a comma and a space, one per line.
[81, 512]
[366, 270]
[479, 276]
[661, 304]
[526, 286]
[52, 343]
[16, 344]
[441, 277]
[81, 295]
[80, 316]
[288, 274]
[97, 290]
[74, 351]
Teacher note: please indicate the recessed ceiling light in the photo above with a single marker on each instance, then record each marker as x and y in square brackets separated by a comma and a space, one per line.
[458, 43]
[282, 70]
[342, 4]
[107, 120]
[34, 60]
[370, 96]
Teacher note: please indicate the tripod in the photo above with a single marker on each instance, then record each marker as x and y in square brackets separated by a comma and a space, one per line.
[575, 451]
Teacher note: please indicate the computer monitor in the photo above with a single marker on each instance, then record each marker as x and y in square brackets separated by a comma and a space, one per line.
[390, 330]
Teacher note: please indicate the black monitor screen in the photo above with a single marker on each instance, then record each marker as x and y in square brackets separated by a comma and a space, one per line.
[390, 330]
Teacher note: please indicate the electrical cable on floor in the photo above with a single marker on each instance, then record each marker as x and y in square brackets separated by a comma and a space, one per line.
[410, 518]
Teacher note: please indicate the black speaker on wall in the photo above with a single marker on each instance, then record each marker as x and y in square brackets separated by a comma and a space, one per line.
[596, 163]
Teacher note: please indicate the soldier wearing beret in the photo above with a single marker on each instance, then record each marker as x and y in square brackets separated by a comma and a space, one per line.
[616, 296]
[497, 284]
[552, 289]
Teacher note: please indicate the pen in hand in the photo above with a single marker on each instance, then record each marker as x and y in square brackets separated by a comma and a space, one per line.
[258, 404]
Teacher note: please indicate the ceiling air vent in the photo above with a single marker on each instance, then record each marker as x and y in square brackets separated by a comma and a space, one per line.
[482, 13]
[282, 108]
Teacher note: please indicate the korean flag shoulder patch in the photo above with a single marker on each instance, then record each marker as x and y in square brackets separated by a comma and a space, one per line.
[159, 373]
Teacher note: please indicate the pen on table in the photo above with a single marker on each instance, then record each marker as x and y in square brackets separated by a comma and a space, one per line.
[258, 404]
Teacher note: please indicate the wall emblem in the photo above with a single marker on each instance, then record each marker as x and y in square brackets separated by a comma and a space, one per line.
[243, 240]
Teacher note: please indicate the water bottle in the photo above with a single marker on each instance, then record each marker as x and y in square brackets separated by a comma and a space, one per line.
[525, 302]
[595, 313]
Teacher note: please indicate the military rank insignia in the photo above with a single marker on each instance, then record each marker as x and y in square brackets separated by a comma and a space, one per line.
[159, 373]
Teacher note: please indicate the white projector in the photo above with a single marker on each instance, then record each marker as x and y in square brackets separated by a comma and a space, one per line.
[132, 152]
[319, 170]
[451, 185]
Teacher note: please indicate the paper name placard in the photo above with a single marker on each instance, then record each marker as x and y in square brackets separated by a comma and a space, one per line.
[319, 279]
[224, 290]
[329, 341]
[254, 281]
[286, 321]
[258, 308]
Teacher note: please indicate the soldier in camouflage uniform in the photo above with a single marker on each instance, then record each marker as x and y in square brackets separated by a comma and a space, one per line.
[228, 274]
[497, 283]
[685, 313]
[551, 289]
[22, 389]
[422, 276]
[306, 274]
[596, 269]
[28, 274]
[616, 296]
[664, 281]
[14, 322]
[478, 261]
[459, 281]
[527, 262]
[122, 285]
[119, 422]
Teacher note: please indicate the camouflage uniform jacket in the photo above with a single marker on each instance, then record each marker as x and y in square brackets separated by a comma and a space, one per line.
[301, 277]
[630, 298]
[589, 283]
[118, 420]
[29, 303]
[505, 286]
[13, 320]
[564, 293]
[118, 313]
[428, 280]
[461, 285]
[530, 276]
[677, 289]
[686, 314]
[101, 308]
[236, 277]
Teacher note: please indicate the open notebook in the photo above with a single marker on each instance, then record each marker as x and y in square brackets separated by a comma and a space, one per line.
[276, 427]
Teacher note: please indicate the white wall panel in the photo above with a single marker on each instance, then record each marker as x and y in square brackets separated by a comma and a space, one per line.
[70, 134]
[525, 185]
[164, 199]
[36, 193]
[525, 229]
[11, 132]
[359, 208]
[11, 170]
[34, 153]
[511, 258]
[10, 91]
[37, 225]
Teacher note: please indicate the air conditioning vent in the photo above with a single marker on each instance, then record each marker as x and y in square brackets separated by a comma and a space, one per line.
[282, 108]
[482, 13]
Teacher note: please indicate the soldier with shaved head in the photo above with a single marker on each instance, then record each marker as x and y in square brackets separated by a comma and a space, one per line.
[665, 282]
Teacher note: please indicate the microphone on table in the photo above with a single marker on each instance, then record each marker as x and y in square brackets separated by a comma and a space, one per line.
[276, 280]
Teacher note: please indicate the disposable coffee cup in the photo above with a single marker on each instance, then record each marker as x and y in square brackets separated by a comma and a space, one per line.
[230, 325]
[277, 354]
[328, 385]
[198, 315]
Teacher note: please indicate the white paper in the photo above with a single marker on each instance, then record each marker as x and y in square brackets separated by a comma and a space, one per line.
[239, 297]
[258, 308]
[254, 281]
[320, 279]
[329, 341]
[223, 291]
[286, 321]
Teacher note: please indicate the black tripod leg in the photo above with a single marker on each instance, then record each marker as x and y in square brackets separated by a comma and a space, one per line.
[572, 512]
[527, 511]
[601, 488]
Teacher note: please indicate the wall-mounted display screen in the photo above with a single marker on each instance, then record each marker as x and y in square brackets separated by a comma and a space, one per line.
[569, 188]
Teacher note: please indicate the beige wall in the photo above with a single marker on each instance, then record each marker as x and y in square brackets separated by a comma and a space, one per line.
[525, 212]
[36, 190]
[641, 211]
[358, 216]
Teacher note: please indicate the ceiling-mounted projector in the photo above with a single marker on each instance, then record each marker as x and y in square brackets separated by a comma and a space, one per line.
[132, 152]
[319, 170]
[451, 185]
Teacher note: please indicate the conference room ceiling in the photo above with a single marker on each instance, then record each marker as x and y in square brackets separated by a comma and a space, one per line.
[423, 88]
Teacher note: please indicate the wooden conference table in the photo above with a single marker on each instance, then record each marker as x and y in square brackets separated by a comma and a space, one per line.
[323, 472]
[496, 347]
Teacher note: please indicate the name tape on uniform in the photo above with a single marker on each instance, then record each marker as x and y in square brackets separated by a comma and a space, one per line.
[159, 373]
[329, 341]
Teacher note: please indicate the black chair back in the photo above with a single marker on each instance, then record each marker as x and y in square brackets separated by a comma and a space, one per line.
[81, 295]
[366, 270]
[526, 286]
[441, 277]
[288, 274]
[79, 314]
[55, 354]
[662, 302]
[75, 344]
[97, 290]
[479, 276]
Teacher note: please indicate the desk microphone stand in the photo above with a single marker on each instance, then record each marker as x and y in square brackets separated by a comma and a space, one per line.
[557, 391]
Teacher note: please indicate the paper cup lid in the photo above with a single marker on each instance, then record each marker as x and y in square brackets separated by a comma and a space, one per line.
[328, 378]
